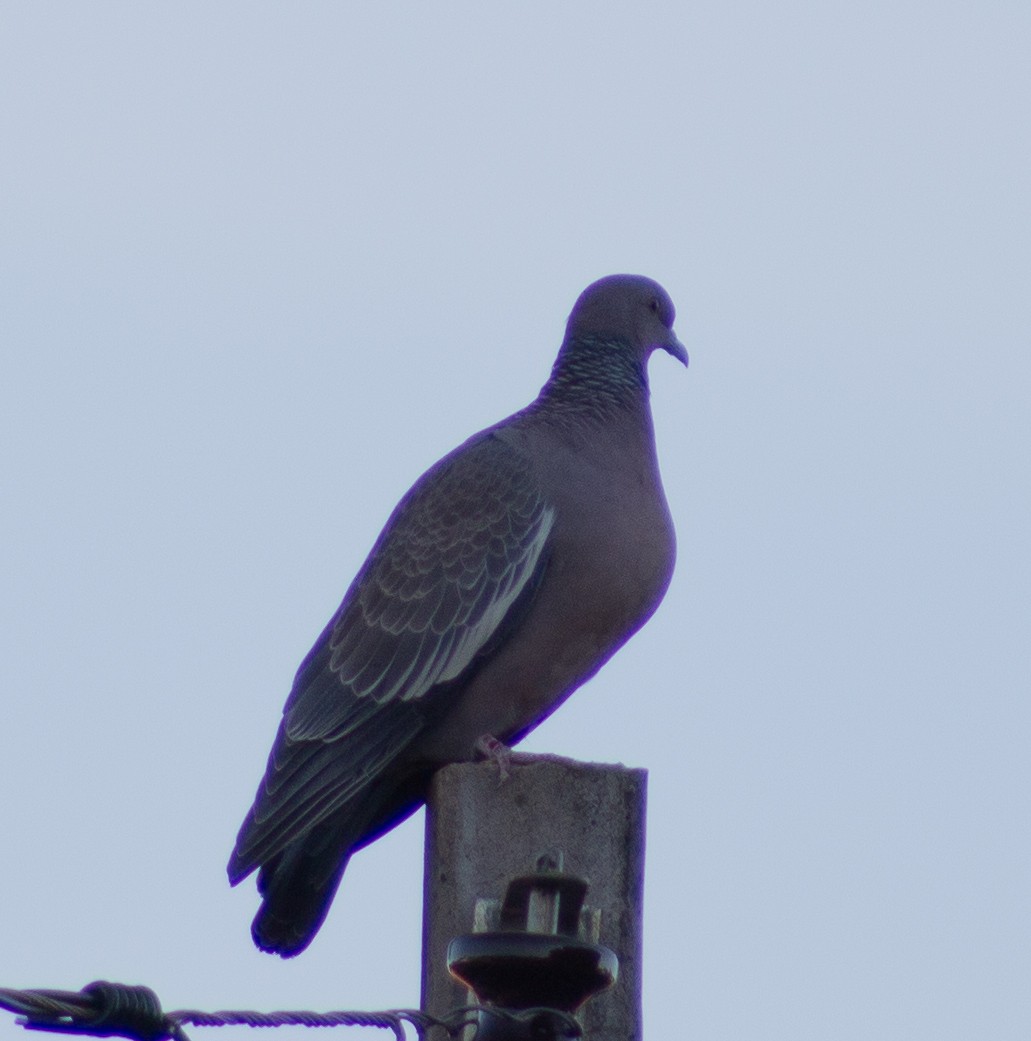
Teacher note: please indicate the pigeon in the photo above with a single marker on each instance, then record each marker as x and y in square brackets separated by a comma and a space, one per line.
[505, 578]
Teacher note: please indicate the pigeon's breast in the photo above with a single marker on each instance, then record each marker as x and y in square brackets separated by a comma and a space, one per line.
[614, 550]
[608, 563]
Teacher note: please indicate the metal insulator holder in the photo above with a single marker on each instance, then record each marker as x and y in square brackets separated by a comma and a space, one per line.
[536, 964]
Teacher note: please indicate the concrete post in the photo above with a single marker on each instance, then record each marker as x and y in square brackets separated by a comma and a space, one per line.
[481, 832]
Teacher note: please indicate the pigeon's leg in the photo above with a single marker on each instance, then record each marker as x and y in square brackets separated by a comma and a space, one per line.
[488, 747]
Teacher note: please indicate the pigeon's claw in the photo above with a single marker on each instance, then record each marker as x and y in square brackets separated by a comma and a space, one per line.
[489, 748]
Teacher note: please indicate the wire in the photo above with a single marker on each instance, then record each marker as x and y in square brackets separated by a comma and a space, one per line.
[104, 1009]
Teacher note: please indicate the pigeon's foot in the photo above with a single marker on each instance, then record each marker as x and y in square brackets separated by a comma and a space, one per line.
[487, 747]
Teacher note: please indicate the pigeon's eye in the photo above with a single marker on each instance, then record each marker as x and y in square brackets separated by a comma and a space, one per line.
[653, 305]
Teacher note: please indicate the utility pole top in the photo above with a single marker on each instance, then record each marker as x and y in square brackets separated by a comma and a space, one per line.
[481, 832]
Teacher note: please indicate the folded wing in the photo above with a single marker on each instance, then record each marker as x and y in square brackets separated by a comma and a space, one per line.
[439, 591]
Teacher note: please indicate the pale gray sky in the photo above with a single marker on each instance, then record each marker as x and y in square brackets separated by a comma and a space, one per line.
[264, 263]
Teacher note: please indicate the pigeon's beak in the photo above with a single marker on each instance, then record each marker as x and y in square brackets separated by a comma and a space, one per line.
[676, 348]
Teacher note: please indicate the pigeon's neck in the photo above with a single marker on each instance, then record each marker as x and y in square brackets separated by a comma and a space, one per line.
[595, 377]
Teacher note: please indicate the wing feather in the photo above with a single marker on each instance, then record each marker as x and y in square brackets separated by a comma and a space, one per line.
[457, 554]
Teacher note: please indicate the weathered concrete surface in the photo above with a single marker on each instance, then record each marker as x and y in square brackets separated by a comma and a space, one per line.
[480, 832]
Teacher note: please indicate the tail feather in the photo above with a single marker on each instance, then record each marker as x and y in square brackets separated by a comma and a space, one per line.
[297, 884]
[297, 888]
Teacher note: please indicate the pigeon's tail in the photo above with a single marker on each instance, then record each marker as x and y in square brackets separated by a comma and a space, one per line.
[297, 887]
[297, 884]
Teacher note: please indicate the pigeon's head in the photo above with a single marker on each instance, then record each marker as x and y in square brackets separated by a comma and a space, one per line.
[630, 308]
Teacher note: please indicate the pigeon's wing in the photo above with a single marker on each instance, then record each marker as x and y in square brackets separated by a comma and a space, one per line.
[438, 591]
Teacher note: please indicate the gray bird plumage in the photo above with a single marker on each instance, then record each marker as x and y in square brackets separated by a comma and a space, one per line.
[507, 576]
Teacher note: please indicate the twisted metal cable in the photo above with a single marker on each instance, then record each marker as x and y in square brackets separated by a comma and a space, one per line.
[104, 1009]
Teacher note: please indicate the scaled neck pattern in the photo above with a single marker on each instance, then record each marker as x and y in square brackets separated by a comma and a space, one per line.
[595, 379]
